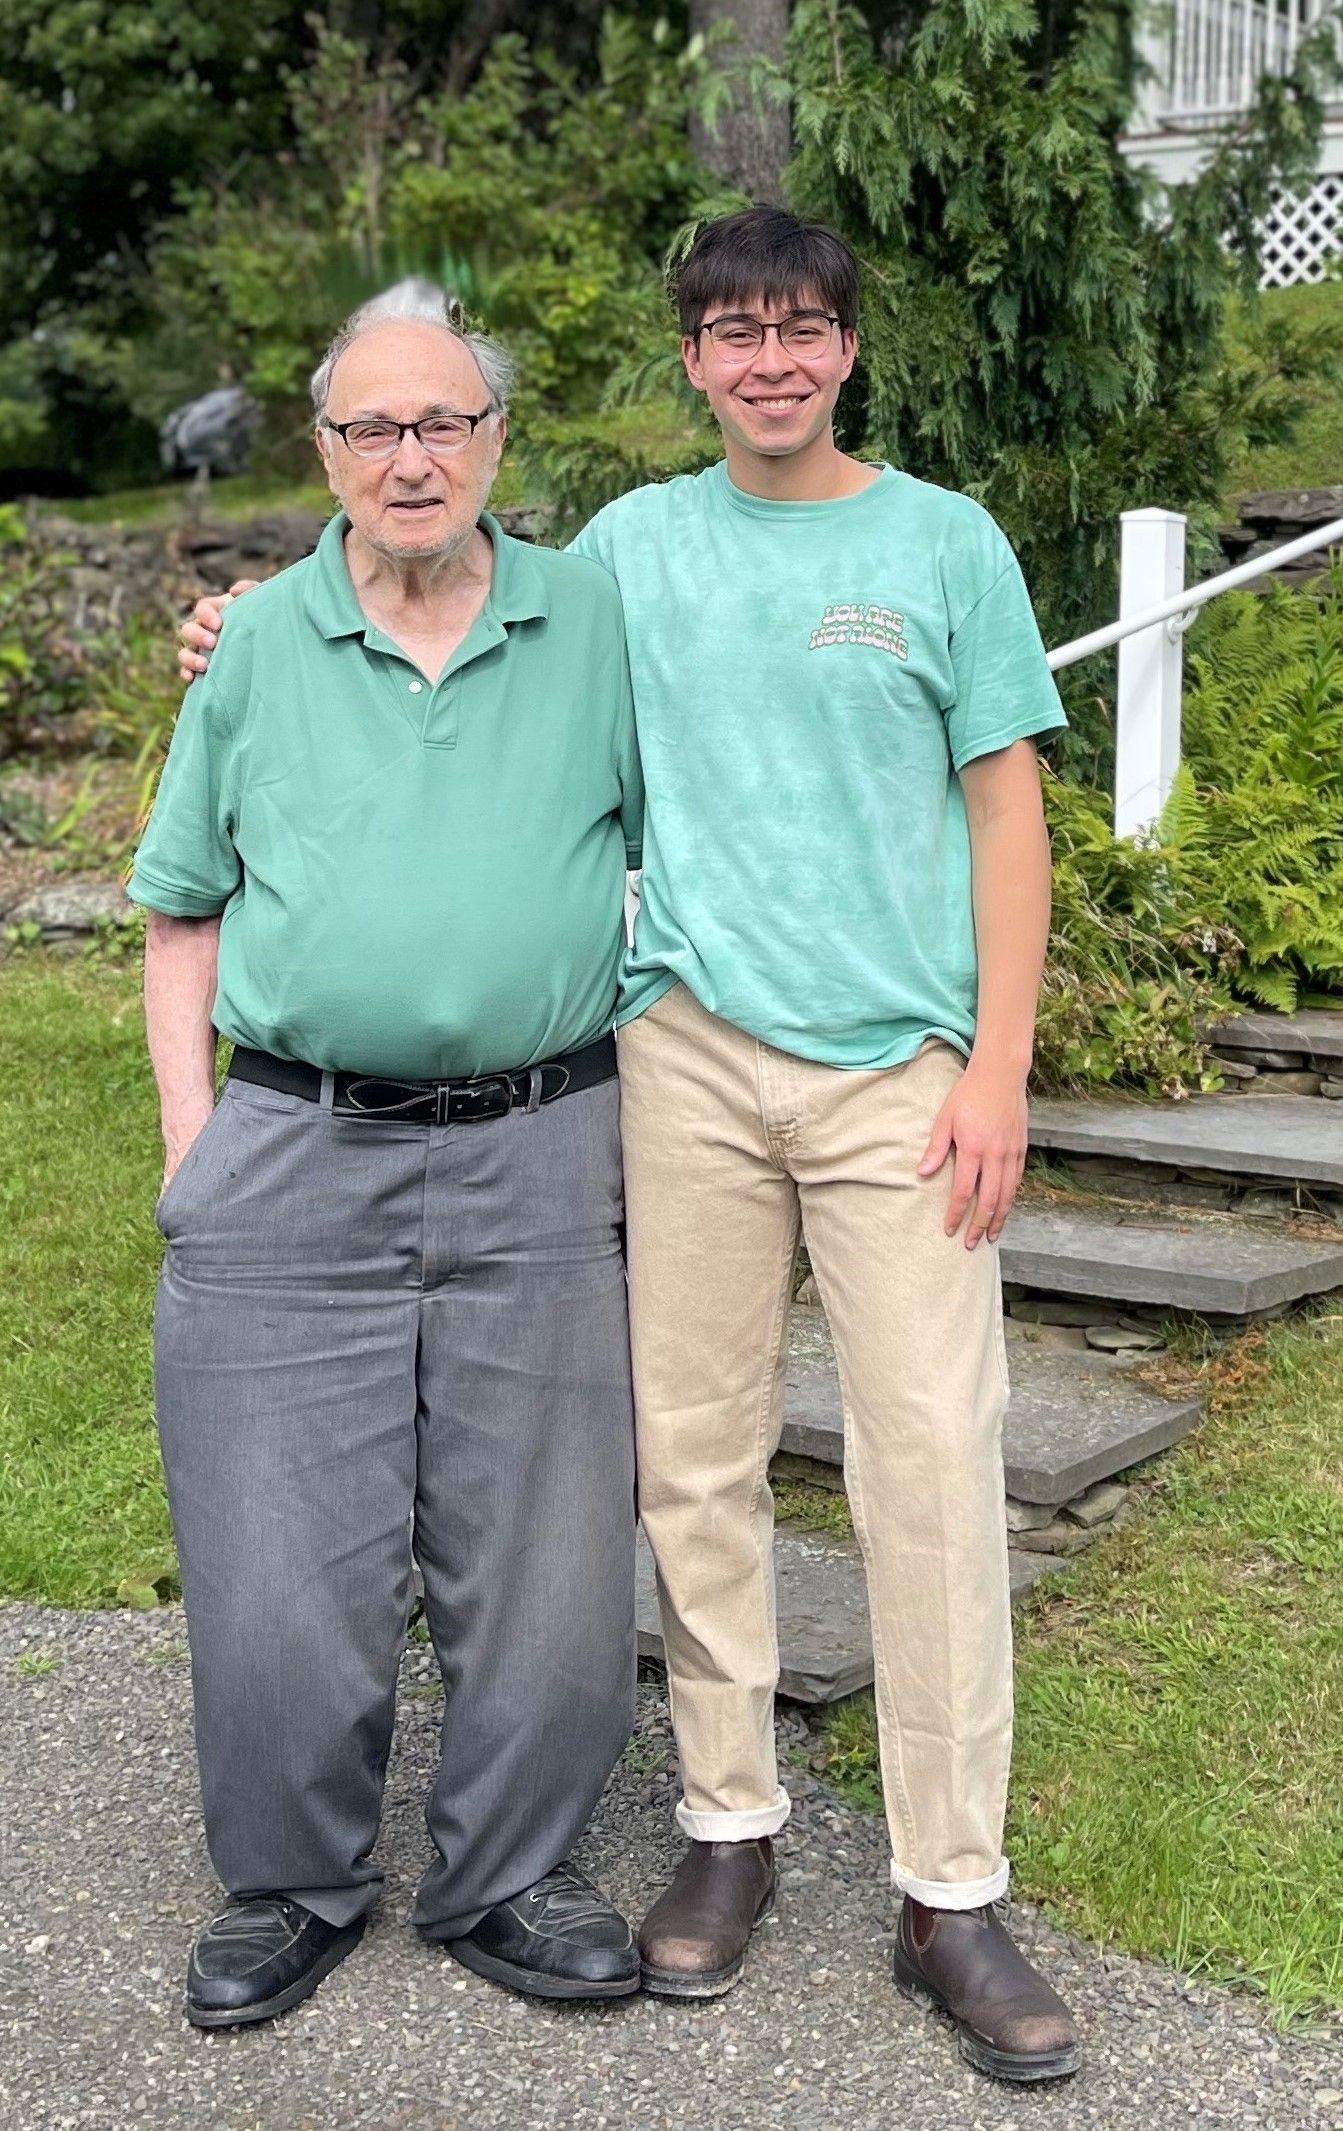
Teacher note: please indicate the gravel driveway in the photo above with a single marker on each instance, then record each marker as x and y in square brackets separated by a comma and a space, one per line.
[103, 1879]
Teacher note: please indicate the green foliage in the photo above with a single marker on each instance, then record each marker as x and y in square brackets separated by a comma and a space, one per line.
[1240, 893]
[1254, 826]
[1178, 1764]
[1040, 327]
[1123, 998]
[44, 672]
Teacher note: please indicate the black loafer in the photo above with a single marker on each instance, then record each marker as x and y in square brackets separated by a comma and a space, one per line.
[261, 1956]
[558, 1939]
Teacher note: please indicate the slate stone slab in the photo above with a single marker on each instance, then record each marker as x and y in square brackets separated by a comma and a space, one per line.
[1184, 1265]
[1074, 1418]
[1295, 1136]
[1317, 1032]
[825, 1641]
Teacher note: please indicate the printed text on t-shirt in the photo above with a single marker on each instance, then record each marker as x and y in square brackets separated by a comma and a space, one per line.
[855, 622]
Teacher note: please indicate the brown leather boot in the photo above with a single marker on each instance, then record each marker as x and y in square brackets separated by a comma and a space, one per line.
[1008, 2020]
[693, 1940]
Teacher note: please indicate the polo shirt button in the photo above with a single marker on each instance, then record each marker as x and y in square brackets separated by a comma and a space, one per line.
[415, 687]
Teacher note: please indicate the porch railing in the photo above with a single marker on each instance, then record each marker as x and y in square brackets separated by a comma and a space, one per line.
[1155, 609]
[1209, 59]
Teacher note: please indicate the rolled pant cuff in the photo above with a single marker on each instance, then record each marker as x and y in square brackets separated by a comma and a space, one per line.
[952, 1893]
[735, 1827]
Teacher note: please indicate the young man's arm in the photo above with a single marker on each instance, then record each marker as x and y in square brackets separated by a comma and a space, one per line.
[985, 1118]
[181, 958]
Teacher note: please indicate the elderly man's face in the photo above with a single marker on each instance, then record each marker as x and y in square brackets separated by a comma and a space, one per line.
[415, 505]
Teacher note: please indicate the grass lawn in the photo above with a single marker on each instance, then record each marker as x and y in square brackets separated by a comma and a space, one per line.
[81, 1496]
[1178, 1775]
[1178, 1783]
[1314, 458]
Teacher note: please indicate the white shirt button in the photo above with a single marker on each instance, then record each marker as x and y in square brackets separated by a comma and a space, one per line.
[415, 687]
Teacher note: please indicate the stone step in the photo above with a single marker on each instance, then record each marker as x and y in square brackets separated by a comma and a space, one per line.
[825, 1642]
[1074, 1417]
[1214, 1268]
[1295, 1136]
[1316, 1032]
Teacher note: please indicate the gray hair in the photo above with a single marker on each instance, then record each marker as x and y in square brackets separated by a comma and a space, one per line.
[430, 304]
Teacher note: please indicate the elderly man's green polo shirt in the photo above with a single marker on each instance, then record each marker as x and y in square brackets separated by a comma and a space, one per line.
[415, 879]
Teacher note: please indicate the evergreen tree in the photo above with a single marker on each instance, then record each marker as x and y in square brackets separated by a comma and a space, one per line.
[1040, 327]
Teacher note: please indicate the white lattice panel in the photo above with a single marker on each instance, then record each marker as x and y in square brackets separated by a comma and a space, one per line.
[1302, 234]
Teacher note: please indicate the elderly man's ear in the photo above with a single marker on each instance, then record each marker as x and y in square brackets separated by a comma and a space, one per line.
[199, 633]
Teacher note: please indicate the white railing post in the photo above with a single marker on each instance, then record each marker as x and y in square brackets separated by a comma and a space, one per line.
[1147, 700]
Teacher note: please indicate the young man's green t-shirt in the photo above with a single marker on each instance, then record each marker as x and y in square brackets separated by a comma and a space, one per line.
[808, 679]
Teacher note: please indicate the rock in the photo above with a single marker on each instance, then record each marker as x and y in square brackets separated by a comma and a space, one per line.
[1074, 1417]
[1034, 1311]
[1048, 1335]
[1234, 1069]
[1292, 511]
[1259, 1136]
[1086, 1268]
[1317, 1031]
[1259, 1058]
[1333, 1089]
[1098, 1505]
[808, 1295]
[73, 906]
[1056, 1537]
[1288, 1083]
[1263, 1199]
[1028, 1516]
[1118, 1339]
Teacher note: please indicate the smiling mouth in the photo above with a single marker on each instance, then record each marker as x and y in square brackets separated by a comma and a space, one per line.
[415, 503]
[776, 402]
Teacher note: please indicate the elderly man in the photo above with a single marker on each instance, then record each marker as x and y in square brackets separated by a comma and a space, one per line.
[388, 861]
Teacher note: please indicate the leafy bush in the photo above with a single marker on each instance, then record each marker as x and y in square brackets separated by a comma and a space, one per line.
[1254, 826]
[1124, 997]
[1239, 895]
[1042, 326]
[44, 671]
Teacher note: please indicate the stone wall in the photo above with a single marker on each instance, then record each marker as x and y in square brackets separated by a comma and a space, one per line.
[125, 569]
[1273, 516]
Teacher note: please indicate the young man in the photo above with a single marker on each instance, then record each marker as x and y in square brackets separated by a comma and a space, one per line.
[827, 1022]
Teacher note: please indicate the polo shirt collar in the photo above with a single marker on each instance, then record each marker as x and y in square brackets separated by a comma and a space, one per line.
[517, 584]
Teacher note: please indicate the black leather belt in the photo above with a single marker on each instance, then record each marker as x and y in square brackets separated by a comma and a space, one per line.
[435, 1102]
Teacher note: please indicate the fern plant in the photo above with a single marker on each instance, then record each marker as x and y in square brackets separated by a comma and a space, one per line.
[1254, 827]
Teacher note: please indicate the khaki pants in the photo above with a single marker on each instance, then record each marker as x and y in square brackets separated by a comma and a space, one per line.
[729, 1146]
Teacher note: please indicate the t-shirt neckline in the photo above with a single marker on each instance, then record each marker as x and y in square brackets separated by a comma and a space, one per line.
[751, 506]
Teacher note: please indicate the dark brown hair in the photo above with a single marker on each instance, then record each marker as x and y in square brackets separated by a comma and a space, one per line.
[766, 255]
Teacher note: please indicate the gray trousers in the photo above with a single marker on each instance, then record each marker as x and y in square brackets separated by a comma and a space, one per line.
[378, 1337]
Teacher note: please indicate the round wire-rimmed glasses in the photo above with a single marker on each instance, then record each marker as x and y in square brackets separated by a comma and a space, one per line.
[379, 437]
[737, 336]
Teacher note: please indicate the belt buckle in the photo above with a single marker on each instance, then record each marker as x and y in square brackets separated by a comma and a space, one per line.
[484, 1084]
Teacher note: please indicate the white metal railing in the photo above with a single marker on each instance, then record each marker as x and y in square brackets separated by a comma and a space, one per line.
[1155, 609]
[1209, 60]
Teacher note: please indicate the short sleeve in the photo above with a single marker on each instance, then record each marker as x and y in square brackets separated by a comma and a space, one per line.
[1004, 689]
[594, 542]
[187, 865]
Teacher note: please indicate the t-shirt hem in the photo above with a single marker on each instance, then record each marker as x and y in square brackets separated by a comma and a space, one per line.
[647, 999]
[990, 743]
[788, 1041]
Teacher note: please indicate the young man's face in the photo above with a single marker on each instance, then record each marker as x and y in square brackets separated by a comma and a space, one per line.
[777, 397]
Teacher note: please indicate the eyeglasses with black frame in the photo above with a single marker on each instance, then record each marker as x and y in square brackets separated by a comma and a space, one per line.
[738, 336]
[379, 437]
